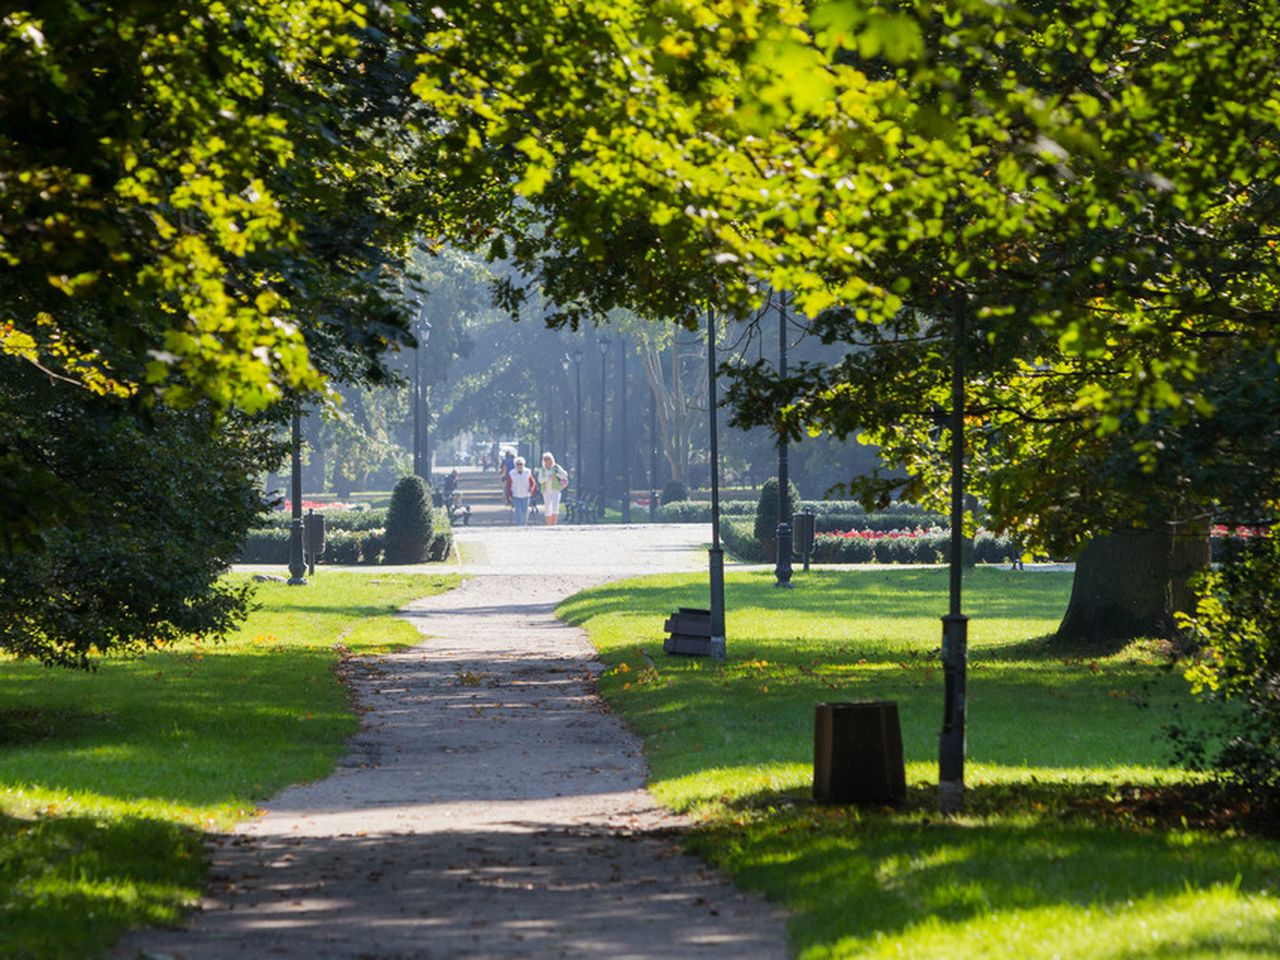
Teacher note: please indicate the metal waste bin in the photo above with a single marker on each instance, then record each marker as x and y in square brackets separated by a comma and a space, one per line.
[803, 529]
[313, 538]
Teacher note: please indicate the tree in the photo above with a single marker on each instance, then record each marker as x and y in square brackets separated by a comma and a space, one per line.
[163, 505]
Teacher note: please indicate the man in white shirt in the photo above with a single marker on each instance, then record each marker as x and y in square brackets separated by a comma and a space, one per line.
[520, 487]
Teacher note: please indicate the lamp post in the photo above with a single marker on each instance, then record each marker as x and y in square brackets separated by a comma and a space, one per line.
[577, 425]
[565, 364]
[603, 343]
[955, 626]
[421, 450]
[782, 565]
[653, 455]
[716, 552]
[297, 562]
[622, 435]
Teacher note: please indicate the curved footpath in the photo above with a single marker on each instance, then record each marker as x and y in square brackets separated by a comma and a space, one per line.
[490, 806]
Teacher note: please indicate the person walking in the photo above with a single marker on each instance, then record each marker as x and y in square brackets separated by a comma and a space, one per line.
[552, 481]
[520, 487]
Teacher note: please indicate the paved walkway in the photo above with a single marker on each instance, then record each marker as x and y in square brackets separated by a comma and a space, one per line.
[490, 806]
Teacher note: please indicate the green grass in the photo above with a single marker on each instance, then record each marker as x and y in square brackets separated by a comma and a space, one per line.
[107, 780]
[1073, 844]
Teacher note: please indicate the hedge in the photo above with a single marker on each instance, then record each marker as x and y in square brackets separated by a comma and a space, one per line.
[343, 519]
[737, 536]
[699, 511]
[342, 547]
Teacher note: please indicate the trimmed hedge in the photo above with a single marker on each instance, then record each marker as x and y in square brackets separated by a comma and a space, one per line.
[767, 519]
[442, 538]
[699, 511]
[932, 547]
[346, 519]
[265, 546]
[737, 537]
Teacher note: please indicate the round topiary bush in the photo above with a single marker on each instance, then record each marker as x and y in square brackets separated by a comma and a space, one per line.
[674, 490]
[408, 532]
[767, 508]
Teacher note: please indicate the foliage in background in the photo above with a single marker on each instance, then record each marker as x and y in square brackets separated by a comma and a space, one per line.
[1236, 623]
[409, 524]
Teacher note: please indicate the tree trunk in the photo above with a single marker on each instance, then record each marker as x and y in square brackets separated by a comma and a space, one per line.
[1130, 584]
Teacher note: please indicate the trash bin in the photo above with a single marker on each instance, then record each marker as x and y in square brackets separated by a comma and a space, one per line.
[313, 537]
[857, 753]
[803, 529]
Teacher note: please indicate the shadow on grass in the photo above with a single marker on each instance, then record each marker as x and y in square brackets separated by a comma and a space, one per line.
[864, 874]
[72, 884]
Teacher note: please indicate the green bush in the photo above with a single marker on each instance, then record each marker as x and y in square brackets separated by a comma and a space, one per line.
[269, 545]
[333, 519]
[673, 491]
[409, 528]
[736, 536]
[879, 522]
[1237, 671]
[351, 547]
[442, 540]
[766, 527]
[699, 511]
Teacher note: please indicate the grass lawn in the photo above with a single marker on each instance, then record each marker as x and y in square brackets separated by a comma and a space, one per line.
[1074, 844]
[107, 780]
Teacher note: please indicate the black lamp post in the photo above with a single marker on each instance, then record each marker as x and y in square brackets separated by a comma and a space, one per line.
[603, 343]
[782, 565]
[577, 426]
[653, 455]
[421, 453]
[718, 650]
[297, 559]
[623, 446]
[955, 626]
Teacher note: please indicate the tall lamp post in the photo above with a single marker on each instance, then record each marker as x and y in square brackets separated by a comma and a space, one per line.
[782, 565]
[297, 561]
[622, 434]
[421, 451]
[577, 426]
[603, 343]
[716, 552]
[955, 626]
[653, 455]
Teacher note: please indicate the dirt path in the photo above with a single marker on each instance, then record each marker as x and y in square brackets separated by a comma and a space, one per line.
[490, 806]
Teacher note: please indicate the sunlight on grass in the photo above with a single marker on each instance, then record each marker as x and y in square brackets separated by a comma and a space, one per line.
[1025, 873]
[107, 779]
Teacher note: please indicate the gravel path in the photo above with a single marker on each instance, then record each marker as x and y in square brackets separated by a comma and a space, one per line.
[490, 806]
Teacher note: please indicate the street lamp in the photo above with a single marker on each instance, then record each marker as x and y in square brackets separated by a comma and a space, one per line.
[603, 343]
[716, 552]
[577, 426]
[622, 433]
[955, 626]
[782, 565]
[421, 450]
[297, 562]
[653, 455]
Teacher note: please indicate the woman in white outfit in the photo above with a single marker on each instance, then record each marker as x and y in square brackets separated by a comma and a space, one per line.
[552, 479]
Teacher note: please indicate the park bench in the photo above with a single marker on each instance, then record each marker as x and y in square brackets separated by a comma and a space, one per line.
[581, 509]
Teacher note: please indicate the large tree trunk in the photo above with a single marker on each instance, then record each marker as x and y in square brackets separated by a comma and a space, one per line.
[1130, 584]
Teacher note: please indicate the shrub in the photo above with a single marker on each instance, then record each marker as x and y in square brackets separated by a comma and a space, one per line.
[767, 508]
[736, 536]
[268, 545]
[1237, 671]
[699, 511]
[350, 547]
[409, 529]
[345, 519]
[442, 540]
[673, 491]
